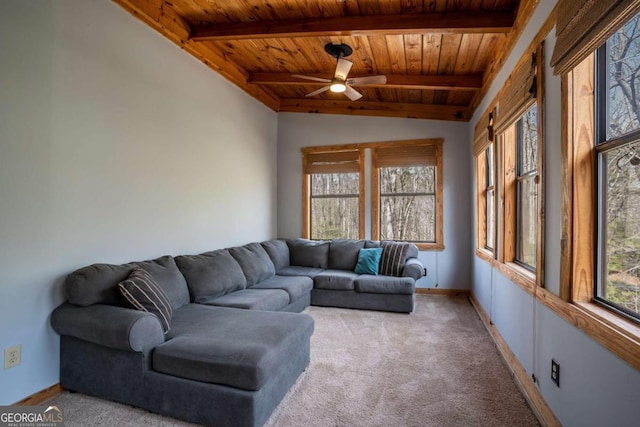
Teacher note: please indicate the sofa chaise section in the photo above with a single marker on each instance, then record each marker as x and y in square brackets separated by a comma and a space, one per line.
[215, 365]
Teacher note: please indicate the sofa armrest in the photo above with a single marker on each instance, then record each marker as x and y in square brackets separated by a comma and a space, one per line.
[110, 326]
[413, 268]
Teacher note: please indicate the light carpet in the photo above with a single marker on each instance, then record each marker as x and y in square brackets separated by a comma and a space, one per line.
[435, 367]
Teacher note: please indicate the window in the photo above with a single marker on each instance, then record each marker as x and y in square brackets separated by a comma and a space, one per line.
[333, 194]
[484, 150]
[598, 268]
[489, 197]
[509, 176]
[407, 201]
[520, 191]
[406, 192]
[526, 188]
[617, 153]
[334, 205]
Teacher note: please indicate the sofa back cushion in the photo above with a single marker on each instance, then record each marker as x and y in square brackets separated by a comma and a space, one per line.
[98, 283]
[254, 261]
[278, 251]
[211, 274]
[308, 253]
[165, 272]
[343, 253]
[369, 244]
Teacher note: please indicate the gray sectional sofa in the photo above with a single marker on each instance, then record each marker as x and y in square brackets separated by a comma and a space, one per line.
[235, 341]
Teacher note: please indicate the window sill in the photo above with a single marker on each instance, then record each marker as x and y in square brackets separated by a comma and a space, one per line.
[430, 246]
[485, 255]
[518, 275]
[611, 320]
[616, 334]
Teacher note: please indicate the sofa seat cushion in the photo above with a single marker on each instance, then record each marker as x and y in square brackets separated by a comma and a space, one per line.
[295, 270]
[252, 299]
[238, 348]
[295, 286]
[336, 280]
[385, 285]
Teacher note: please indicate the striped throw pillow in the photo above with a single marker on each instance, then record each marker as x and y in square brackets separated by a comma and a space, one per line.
[143, 293]
[393, 257]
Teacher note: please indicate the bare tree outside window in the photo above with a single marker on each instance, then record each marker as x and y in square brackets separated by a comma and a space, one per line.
[335, 205]
[526, 187]
[490, 194]
[619, 171]
[408, 203]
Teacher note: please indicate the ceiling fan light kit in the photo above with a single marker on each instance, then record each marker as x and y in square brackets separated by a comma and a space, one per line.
[337, 86]
[340, 83]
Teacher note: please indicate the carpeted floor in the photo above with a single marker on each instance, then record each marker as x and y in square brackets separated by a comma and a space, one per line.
[435, 367]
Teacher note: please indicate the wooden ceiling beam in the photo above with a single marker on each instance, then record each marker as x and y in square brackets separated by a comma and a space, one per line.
[450, 82]
[367, 108]
[447, 23]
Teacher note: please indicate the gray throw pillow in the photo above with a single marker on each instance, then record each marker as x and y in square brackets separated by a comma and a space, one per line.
[144, 294]
[393, 258]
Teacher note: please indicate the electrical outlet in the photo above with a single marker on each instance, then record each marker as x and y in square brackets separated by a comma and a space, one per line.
[12, 356]
[555, 372]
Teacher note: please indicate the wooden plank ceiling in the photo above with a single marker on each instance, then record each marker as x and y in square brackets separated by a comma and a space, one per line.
[438, 55]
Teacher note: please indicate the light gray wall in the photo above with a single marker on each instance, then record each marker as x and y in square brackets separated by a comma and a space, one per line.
[596, 387]
[447, 268]
[115, 145]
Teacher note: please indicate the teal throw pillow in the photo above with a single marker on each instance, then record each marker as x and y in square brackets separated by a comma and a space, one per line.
[368, 261]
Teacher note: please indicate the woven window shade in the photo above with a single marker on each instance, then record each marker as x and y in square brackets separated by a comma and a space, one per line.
[481, 137]
[518, 93]
[401, 156]
[332, 162]
[584, 25]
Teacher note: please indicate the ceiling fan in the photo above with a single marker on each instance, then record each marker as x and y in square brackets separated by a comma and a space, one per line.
[340, 83]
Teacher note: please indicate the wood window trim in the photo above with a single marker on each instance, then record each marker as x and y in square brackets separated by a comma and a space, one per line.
[306, 188]
[438, 245]
[481, 202]
[505, 262]
[481, 141]
[481, 205]
[506, 191]
[578, 245]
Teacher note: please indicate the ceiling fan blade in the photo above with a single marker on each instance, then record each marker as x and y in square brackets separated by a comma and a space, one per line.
[342, 69]
[368, 80]
[315, 79]
[316, 92]
[352, 94]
